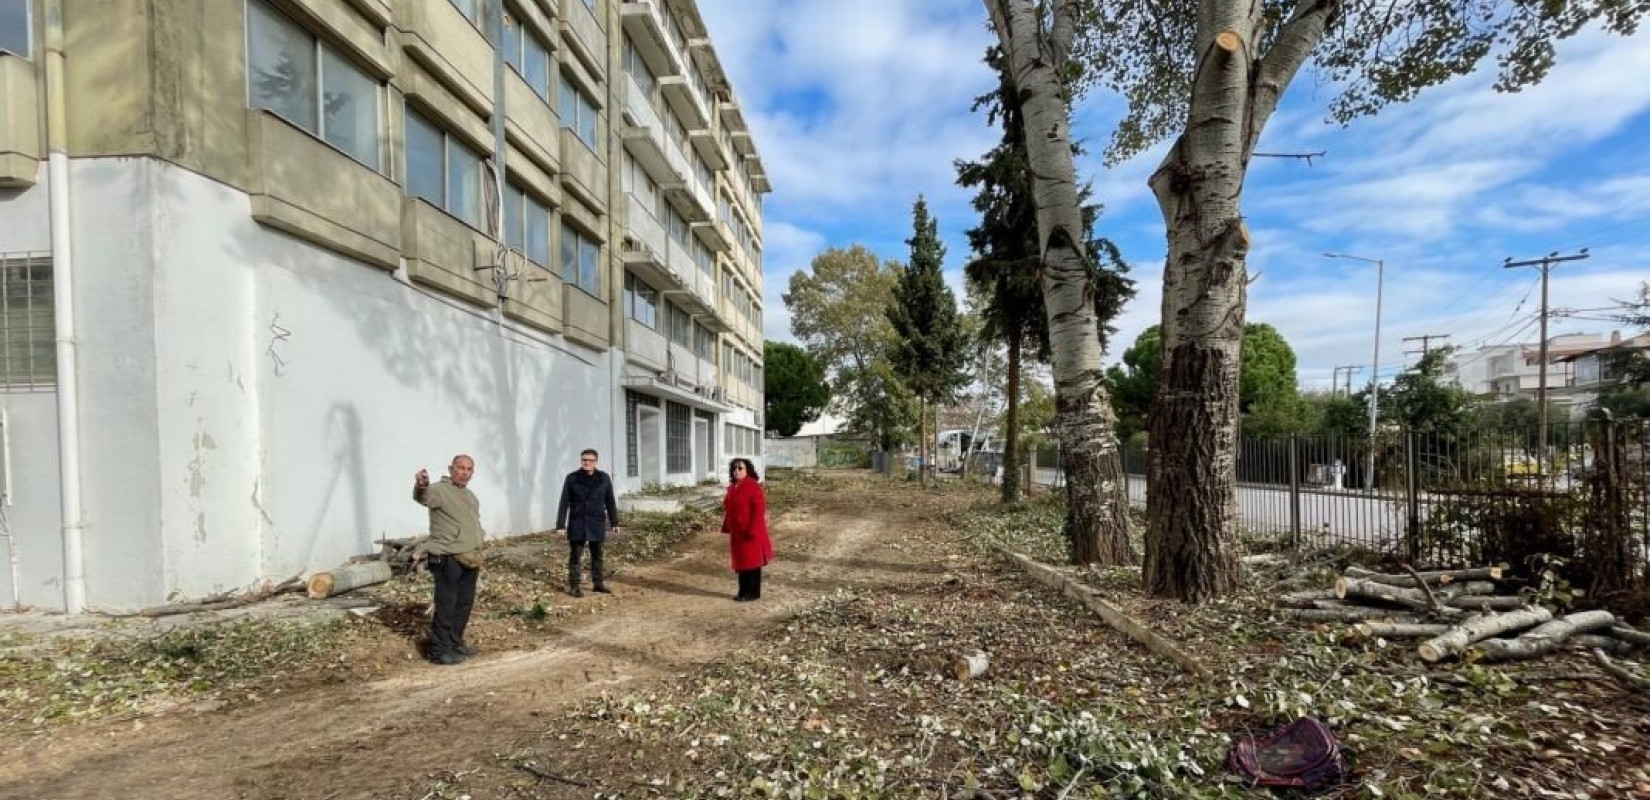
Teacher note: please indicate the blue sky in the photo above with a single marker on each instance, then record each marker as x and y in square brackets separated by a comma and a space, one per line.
[858, 106]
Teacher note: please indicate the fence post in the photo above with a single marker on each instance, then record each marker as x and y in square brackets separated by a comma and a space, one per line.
[1412, 500]
[1608, 545]
[1294, 491]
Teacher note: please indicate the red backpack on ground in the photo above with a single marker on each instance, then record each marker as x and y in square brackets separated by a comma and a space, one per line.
[1300, 755]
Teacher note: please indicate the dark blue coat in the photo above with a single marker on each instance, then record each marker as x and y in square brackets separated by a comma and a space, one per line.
[587, 506]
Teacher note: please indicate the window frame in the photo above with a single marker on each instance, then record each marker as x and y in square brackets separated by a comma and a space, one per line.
[524, 35]
[580, 240]
[319, 49]
[27, 53]
[582, 102]
[448, 141]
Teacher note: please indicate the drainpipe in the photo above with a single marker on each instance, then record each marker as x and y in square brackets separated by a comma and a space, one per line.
[68, 389]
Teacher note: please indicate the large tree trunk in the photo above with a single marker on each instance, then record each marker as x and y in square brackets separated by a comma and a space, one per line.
[1097, 523]
[1191, 506]
[1011, 446]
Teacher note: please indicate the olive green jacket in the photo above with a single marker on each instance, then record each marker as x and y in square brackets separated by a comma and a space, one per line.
[455, 518]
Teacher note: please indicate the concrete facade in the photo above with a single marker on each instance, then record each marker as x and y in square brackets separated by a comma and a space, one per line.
[277, 323]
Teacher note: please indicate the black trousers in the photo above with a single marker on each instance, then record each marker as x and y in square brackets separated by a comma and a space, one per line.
[455, 595]
[575, 552]
[750, 583]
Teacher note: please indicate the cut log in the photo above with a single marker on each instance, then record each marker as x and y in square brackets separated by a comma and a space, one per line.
[1608, 644]
[1435, 577]
[1627, 679]
[1352, 614]
[1628, 634]
[1466, 589]
[347, 577]
[1544, 639]
[1112, 615]
[969, 667]
[1412, 599]
[1311, 599]
[1397, 630]
[218, 602]
[1475, 603]
[1455, 641]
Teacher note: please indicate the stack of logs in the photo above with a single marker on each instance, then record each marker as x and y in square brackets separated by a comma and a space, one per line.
[1459, 614]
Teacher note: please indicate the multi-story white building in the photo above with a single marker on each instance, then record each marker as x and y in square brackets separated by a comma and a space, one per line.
[256, 270]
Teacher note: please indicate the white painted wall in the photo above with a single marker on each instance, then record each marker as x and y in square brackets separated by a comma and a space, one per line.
[31, 537]
[255, 406]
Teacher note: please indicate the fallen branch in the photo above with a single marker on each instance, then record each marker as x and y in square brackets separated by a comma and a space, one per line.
[1608, 644]
[1455, 641]
[1628, 634]
[1411, 599]
[536, 771]
[1543, 639]
[1352, 614]
[347, 577]
[1432, 599]
[1627, 679]
[1440, 577]
[1396, 630]
[1113, 616]
[218, 602]
[1311, 599]
[1475, 603]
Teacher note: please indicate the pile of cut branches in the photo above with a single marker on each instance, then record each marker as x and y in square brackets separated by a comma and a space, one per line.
[1465, 614]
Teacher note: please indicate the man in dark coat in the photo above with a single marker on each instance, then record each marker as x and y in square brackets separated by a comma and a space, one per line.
[587, 508]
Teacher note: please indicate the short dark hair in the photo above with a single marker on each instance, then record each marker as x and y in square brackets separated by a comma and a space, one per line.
[750, 469]
[589, 451]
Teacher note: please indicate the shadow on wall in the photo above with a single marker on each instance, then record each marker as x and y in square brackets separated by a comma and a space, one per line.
[447, 358]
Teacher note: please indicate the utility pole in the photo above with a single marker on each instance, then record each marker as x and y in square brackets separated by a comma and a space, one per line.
[1350, 371]
[1545, 264]
[1426, 342]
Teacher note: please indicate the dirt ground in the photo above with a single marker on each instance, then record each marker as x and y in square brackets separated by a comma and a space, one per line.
[356, 738]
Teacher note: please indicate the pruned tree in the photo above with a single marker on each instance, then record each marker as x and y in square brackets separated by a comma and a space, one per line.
[1006, 275]
[1208, 75]
[837, 313]
[794, 388]
[930, 344]
[1036, 40]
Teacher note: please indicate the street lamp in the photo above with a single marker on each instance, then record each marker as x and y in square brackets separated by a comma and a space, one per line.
[1375, 366]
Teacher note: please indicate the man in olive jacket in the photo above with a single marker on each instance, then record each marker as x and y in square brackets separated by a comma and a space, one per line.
[453, 552]
[587, 507]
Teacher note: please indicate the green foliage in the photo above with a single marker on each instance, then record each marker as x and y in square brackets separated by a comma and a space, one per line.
[795, 389]
[931, 347]
[1006, 275]
[838, 312]
[1420, 399]
[1267, 392]
[1380, 52]
[1625, 403]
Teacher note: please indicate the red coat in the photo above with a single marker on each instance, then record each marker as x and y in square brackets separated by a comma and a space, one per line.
[745, 521]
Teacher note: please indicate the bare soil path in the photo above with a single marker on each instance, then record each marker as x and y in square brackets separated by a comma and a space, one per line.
[357, 740]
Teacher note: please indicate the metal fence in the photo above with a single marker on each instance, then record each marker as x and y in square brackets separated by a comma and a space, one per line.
[1457, 497]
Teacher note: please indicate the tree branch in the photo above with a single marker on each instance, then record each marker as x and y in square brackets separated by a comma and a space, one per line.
[1294, 44]
[1065, 28]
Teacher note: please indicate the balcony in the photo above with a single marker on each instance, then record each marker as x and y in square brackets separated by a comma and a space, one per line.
[759, 176]
[686, 98]
[646, 249]
[715, 235]
[643, 134]
[584, 174]
[704, 140]
[644, 21]
[20, 150]
[585, 37]
[646, 346]
[690, 199]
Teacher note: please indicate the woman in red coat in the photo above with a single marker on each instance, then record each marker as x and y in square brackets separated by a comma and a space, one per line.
[745, 521]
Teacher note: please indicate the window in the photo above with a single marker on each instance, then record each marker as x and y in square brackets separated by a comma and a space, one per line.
[443, 171]
[471, 9]
[641, 302]
[528, 54]
[680, 325]
[28, 341]
[309, 84]
[15, 27]
[637, 69]
[678, 438]
[527, 225]
[678, 227]
[704, 342]
[578, 113]
[580, 259]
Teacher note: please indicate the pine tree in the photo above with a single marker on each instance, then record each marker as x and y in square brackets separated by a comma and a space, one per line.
[1007, 275]
[931, 344]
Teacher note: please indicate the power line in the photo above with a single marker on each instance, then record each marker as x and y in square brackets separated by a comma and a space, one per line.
[1426, 342]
